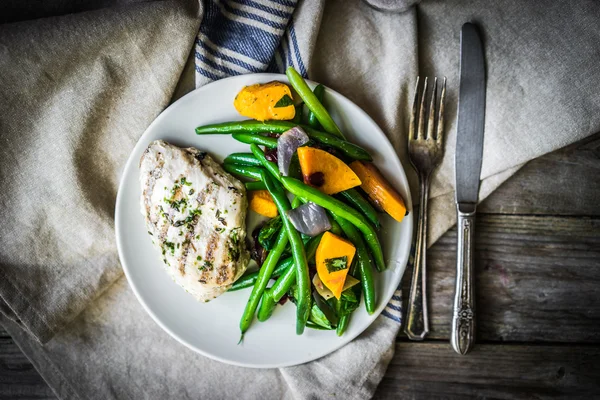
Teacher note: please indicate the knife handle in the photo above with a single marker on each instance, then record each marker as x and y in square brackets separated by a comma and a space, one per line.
[462, 335]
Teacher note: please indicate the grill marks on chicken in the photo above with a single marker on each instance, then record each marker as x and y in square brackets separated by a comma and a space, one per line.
[196, 213]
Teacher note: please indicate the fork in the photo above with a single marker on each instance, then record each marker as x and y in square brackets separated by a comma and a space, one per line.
[425, 153]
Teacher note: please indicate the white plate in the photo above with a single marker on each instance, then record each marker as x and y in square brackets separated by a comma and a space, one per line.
[212, 329]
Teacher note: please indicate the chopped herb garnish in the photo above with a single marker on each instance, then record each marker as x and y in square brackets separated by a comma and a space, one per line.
[207, 265]
[179, 205]
[285, 101]
[234, 236]
[171, 246]
[185, 182]
[191, 192]
[336, 264]
[199, 258]
[219, 229]
[150, 233]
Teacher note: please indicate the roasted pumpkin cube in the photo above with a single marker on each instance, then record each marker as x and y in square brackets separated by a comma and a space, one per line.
[325, 171]
[262, 203]
[266, 101]
[333, 258]
[379, 190]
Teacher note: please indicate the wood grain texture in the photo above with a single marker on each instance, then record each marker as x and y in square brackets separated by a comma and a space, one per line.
[537, 279]
[566, 182]
[18, 378]
[434, 371]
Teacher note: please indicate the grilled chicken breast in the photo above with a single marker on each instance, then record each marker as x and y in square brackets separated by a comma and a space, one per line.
[196, 215]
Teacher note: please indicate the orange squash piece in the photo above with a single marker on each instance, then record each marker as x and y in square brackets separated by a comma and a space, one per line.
[379, 189]
[331, 248]
[262, 203]
[260, 102]
[326, 172]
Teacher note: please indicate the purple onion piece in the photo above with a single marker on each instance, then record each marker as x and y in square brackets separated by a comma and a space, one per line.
[309, 219]
[287, 144]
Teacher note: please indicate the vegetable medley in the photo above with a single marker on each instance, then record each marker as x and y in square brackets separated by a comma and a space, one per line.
[320, 250]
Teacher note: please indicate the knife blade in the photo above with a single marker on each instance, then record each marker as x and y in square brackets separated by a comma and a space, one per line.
[471, 113]
[468, 157]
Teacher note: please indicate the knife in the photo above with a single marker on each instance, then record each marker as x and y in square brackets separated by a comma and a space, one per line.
[469, 152]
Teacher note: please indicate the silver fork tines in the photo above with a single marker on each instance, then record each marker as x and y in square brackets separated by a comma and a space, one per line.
[425, 152]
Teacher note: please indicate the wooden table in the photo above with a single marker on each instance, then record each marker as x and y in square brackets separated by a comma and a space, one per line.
[538, 293]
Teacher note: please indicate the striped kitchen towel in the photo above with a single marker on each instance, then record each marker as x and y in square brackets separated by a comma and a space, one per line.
[249, 36]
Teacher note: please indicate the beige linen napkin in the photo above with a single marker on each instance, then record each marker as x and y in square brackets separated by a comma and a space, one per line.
[64, 144]
[76, 92]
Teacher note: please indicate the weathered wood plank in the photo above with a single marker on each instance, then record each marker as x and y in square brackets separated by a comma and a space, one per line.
[537, 279]
[566, 182]
[18, 378]
[433, 370]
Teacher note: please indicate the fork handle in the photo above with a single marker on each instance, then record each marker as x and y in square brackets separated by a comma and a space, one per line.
[417, 324]
[462, 335]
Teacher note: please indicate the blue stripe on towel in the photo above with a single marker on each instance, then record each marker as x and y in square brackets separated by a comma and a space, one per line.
[238, 36]
[216, 66]
[289, 3]
[396, 318]
[288, 50]
[219, 55]
[264, 8]
[255, 17]
[207, 74]
[297, 50]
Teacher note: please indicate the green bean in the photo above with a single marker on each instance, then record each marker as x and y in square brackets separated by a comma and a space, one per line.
[359, 202]
[309, 193]
[267, 305]
[249, 278]
[254, 127]
[298, 115]
[345, 319]
[285, 281]
[335, 227]
[245, 171]
[313, 122]
[242, 159]
[300, 262]
[342, 324]
[363, 265]
[255, 186]
[312, 102]
[268, 165]
[259, 139]
[261, 283]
